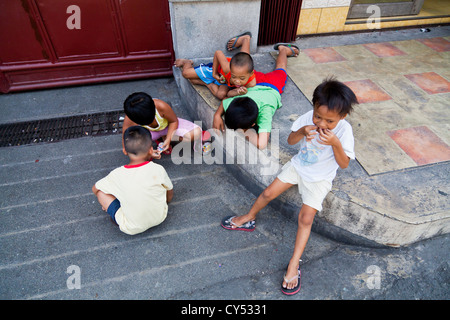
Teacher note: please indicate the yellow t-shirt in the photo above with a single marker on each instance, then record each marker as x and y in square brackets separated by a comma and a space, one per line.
[141, 190]
[162, 123]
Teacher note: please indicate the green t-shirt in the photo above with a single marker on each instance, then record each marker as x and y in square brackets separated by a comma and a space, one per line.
[268, 101]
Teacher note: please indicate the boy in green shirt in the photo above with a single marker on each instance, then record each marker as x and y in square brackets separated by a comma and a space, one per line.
[256, 105]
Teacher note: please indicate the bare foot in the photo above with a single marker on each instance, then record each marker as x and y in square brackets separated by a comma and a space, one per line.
[238, 43]
[179, 63]
[240, 220]
[291, 275]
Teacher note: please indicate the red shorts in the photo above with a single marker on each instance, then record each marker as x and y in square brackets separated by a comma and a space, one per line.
[275, 79]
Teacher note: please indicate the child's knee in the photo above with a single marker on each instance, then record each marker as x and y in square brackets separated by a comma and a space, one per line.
[197, 133]
[221, 95]
[194, 134]
[188, 73]
[268, 194]
[306, 216]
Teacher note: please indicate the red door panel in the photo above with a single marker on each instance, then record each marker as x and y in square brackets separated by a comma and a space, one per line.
[23, 41]
[96, 36]
[135, 16]
[43, 43]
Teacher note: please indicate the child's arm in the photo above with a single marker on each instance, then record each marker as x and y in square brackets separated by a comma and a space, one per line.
[263, 140]
[327, 137]
[217, 120]
[306, 131]
[167, 112]
[220, 59]
[236, 92]
[260, 140]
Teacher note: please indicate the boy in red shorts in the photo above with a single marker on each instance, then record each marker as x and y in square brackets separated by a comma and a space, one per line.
[257, 95]
[230, 77]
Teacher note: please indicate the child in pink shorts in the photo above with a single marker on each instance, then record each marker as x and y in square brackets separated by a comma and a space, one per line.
[158, 117]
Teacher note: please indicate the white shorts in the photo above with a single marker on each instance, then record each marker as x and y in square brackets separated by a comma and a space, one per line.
[313, 193]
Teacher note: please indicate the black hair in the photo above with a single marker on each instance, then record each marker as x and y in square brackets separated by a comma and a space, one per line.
[137, 140]
[140, 108]
[335, 95]
[242, 59]
[241, 113]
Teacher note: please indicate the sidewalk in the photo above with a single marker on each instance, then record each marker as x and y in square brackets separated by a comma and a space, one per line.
[49, 221]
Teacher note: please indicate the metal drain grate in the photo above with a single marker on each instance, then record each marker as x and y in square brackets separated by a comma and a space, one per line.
[57, 129]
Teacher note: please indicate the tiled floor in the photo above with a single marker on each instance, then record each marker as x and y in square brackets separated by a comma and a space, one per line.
[404, 93]
[431, 82]
[367, 91]
[421, 144]
[438, 44]
[323, 55]
[384, 49]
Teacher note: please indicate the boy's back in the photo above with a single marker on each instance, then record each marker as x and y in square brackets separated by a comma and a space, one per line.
[268, 101]
[141, 190]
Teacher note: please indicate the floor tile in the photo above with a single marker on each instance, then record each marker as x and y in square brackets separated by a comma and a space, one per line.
[367, 91]
[323, 55]
[384, 49]
[421, 144]
[431, 82]
[438, 44]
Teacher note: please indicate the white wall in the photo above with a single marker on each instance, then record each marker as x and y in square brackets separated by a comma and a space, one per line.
[201, 27]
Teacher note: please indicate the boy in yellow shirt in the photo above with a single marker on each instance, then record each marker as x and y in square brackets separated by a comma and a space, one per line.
[136, 195]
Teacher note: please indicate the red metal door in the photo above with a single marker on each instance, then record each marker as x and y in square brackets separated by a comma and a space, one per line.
[278, 21]
[47, 43]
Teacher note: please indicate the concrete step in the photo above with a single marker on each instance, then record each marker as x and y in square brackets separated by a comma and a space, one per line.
[51, 220]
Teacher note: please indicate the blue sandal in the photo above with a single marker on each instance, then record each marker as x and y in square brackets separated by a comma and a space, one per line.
[228, 224]
[237, 37]
[290, 46]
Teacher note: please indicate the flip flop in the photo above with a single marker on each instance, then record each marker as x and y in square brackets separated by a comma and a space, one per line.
[237, 37]
[290, 45]
[228, 224]
[294, 290]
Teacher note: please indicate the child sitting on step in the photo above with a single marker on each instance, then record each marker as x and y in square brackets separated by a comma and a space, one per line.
[158, 117]
[136, 195]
